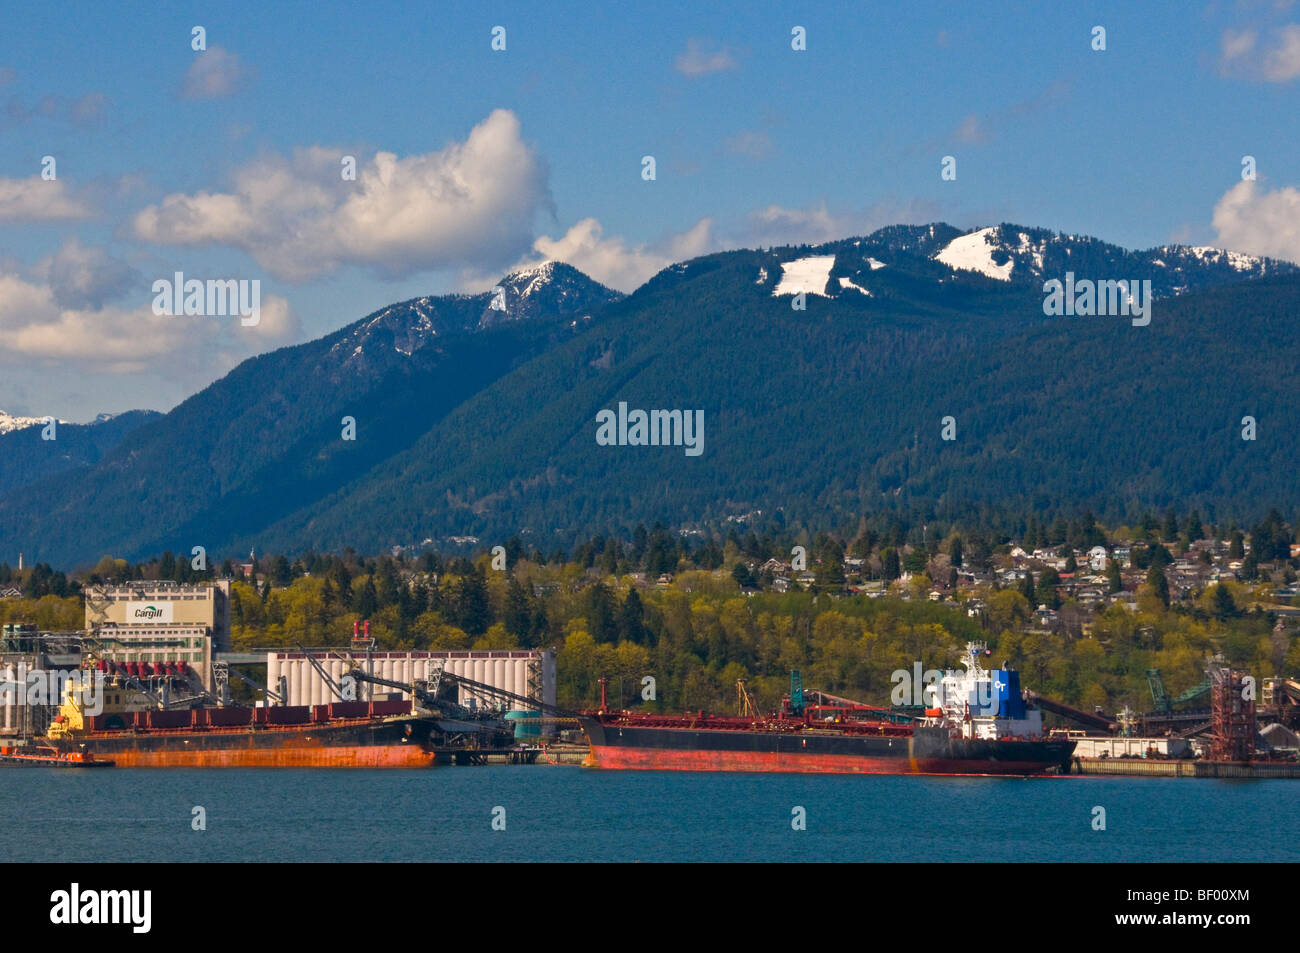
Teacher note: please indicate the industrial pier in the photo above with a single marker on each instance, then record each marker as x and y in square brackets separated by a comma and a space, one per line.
[1220, 742]
[1185, 768]
[557, 753]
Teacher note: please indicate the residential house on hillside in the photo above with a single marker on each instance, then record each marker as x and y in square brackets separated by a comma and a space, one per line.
[1010, 577]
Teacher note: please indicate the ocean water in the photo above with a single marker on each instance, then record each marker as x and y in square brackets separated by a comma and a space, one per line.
[568, 813]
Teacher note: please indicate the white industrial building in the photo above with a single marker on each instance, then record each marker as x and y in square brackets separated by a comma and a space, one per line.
[1130, 747]
[527, 673]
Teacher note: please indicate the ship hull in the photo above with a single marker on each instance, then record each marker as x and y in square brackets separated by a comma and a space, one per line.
[623, 747]
[399, 743]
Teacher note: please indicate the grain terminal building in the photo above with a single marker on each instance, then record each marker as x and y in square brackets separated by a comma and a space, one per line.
[528, 673]
[153, 624]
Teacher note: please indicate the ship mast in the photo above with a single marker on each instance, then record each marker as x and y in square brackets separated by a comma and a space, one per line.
[972, 660]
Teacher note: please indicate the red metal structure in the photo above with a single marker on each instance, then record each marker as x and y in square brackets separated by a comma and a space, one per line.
[1232, 717]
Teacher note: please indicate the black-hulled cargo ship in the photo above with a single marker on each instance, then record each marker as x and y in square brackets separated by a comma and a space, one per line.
[978, 726]
[712, 743]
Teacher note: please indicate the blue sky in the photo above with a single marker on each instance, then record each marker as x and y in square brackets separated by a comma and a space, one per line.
[222, 162]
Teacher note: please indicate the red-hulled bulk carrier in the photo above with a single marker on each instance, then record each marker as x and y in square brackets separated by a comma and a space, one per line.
[110, 725]
[340, 735]
[979, 726]
[109, 715]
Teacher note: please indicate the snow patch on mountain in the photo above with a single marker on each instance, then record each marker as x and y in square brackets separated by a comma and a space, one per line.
[848, 283]
[1183, 257]
[1037, 250]
[974, 252]
[807, 275]
[1236, 260]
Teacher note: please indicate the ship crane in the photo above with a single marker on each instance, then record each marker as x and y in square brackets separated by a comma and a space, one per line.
[320, 670]
[427, 698]
[249, 680]
[482, 688]
[745, 706]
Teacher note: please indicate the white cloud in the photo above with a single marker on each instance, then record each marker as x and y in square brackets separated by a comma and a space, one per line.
[611, 261]
[215, 73]
[755, 145]
[695, 241]
[471, 205]
[699, 61]
[41, 328]
[618, 264]
[979, 129]
[777, 225]
[1275, 60]
[82, 276]
[1282, 63]
[970, 131]
[781, 226]
[1257, 222]
[1234, 45]
[85, 110]
[38, 200]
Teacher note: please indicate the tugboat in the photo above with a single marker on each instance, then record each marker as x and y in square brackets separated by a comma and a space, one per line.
[980, 725]
[47, 756]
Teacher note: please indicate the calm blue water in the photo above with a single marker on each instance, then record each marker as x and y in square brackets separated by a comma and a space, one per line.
[564, 813]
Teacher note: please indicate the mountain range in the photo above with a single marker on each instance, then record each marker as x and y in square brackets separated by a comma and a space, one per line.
[26, 457]
[828, 377]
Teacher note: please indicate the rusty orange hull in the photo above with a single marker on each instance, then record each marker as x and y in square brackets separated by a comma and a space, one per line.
[406, 756]
[354, 743]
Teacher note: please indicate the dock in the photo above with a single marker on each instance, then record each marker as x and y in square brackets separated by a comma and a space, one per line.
[1185, 768]
[530, 754]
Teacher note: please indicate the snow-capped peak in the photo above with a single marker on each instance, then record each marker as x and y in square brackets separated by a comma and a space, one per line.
[530, 280]
[10, 422]
[544, 269]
